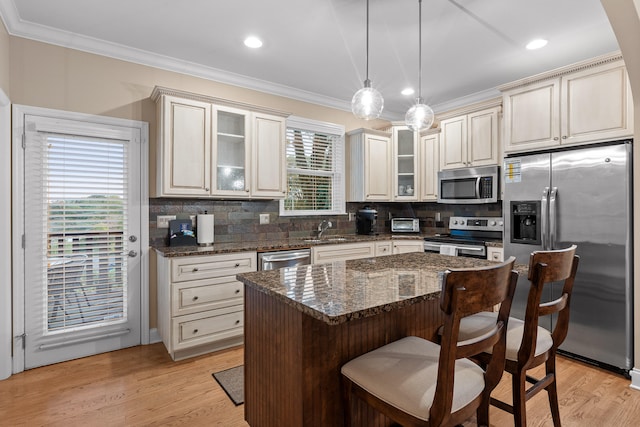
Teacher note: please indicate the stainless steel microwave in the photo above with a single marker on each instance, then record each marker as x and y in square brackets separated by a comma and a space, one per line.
[469, 185]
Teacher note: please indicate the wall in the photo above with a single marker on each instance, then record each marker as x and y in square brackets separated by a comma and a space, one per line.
[5, 207]
[624, 16]
[4, 59]
[49, 76]
[238, 221]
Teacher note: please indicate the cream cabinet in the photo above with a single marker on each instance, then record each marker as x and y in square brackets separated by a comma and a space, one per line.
[407, 246]
[383, 247]
[342, 252]
[200, 302]
[585, 102]
[369, 166]
[269, 174]
[470, 140]
[429, 150]
[209, 147]
[495, 254]
[184, 153]
[405, 164]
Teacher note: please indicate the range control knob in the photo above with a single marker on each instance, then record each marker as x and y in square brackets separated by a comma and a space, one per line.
[492, 223]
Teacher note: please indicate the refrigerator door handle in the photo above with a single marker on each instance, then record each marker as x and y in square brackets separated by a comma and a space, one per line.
[543, 217]
[552, 217]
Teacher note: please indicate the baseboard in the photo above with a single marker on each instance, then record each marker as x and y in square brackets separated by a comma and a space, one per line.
[154, 336]
[635, 378]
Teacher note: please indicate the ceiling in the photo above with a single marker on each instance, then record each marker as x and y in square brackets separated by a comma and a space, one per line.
[314, 50]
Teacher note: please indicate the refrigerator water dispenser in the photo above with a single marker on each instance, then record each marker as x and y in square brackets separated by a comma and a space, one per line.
[525, 217]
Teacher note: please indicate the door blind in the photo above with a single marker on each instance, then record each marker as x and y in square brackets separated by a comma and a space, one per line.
[78, 201]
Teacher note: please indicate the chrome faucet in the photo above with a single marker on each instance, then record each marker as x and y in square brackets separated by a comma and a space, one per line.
[322, 227]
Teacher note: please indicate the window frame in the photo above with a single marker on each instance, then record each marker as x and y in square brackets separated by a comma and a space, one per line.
[338, 196]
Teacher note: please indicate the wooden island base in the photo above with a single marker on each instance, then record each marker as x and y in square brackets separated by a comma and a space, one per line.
[293, 361]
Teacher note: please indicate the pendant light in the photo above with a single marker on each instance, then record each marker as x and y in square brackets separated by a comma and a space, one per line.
[420, 116]
[367, 103]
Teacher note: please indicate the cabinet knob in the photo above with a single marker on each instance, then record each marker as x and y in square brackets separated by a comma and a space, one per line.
[564, 136]
[195, 298]
[237, 322]
[206, 189]
[237, 264]
[195, 331]
[237, 291]
[555, 138]
[195, 269]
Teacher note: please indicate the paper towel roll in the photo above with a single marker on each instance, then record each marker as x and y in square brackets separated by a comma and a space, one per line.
[205, 229]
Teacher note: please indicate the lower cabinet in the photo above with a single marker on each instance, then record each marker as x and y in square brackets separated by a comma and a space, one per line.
[200, 302]
[342, 252]
[495, 254]
[406, 246]
[347, 251]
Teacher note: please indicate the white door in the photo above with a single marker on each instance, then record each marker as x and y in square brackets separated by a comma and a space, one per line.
[82, 246]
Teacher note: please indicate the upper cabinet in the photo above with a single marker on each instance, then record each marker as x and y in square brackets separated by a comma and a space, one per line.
[585, 102]
[429, 149]
[208, 147]
[470, 139]
[405, 164]
[368, 160]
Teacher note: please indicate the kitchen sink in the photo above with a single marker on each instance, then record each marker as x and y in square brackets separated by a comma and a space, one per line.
[326, 239]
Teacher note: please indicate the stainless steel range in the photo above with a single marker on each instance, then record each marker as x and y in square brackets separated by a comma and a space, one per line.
[467, 236]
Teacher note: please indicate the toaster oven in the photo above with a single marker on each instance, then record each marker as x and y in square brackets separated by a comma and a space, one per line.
[405, 225]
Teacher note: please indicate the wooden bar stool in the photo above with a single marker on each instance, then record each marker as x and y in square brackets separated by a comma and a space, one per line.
[416, 382]
[529, 345]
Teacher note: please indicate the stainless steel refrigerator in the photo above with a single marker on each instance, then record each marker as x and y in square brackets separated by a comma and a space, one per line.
[580, 196]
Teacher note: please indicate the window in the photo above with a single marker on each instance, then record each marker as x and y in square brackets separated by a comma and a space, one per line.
[315, 168]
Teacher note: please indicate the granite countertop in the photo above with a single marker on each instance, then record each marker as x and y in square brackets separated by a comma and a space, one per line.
[287, 244]
[279, 245]
[341, 291]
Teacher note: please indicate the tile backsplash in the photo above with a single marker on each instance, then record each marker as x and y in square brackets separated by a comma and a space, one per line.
[239, 221]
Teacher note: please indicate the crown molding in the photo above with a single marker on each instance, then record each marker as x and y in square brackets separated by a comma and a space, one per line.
[558, 72]
[19, 28]
[158, 91]
[467, 100]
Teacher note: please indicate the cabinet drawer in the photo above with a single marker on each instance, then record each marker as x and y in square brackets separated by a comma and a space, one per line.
[200, 295]
[210, 326]
[342, 252]
[205, 267]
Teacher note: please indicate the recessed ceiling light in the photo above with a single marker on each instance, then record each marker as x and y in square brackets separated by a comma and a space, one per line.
[253, 42]
[407, 91]
[536, 44]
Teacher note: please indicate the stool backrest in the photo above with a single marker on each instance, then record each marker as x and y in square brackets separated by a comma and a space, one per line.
[466, 292]
[546, 267]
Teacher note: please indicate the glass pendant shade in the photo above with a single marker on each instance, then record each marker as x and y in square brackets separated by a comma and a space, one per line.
[419, 117]
[367, 103]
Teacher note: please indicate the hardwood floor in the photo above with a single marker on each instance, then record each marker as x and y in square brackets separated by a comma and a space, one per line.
[142, 386]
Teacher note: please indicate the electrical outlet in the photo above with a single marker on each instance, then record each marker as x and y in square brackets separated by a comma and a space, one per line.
[163, 220]
[264, 218]
[193, 220]
[351, 216]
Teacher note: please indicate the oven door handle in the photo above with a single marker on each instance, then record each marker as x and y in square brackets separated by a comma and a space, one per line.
[470, 248]
[465, 248]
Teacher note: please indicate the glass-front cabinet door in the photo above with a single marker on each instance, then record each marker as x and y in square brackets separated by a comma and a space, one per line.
[231, 152]
[405, 163]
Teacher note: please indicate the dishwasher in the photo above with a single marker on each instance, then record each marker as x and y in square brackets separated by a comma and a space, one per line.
[281, 259]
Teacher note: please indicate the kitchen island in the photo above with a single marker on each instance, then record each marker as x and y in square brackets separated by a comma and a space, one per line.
[303, 323]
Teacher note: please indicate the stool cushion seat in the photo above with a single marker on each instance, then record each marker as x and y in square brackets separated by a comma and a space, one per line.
[479, 323]
[404, 374]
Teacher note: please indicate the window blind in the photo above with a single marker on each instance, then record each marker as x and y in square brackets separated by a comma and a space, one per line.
[77, 204]
[315, 177]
